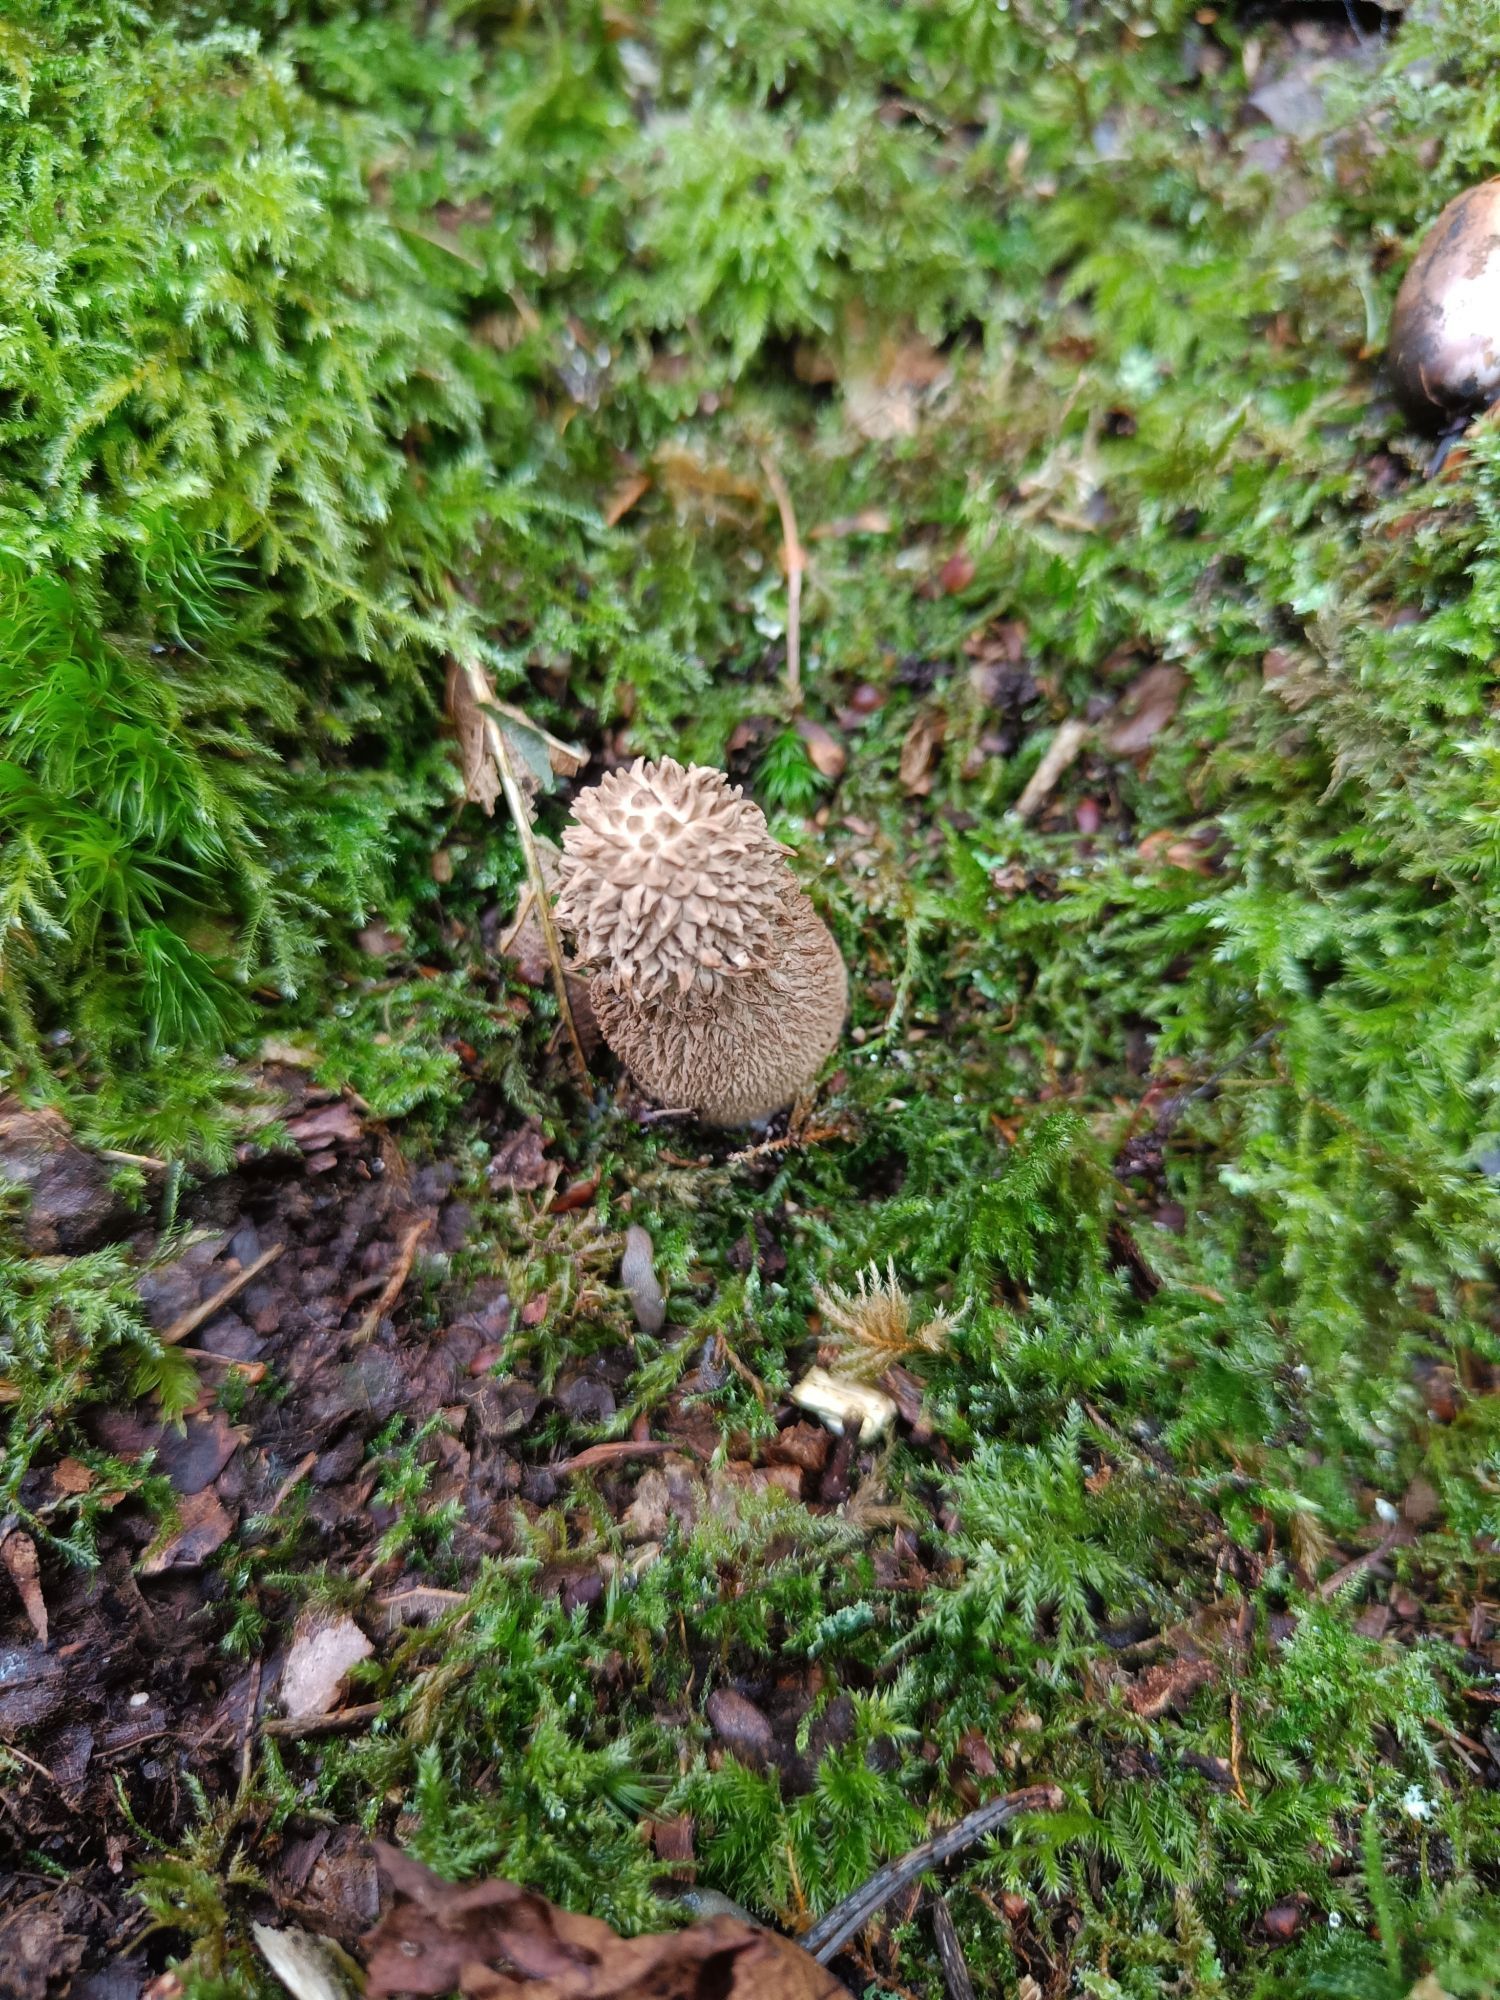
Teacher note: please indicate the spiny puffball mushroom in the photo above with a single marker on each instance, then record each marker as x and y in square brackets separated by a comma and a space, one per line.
[712, 976]
[1444, 348]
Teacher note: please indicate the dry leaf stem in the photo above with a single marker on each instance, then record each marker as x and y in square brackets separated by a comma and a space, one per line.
[794, 561]
[483, 698]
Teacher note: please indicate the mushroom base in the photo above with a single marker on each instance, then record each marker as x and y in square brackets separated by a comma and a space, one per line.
[744, 1052]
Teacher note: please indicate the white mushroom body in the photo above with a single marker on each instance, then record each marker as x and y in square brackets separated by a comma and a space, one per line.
[1444, 350]
[712, 976]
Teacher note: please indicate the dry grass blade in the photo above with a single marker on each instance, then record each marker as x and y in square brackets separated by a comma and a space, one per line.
[471, 694]
[794, 561]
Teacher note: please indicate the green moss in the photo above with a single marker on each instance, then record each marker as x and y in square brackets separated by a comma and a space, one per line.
[333, 373]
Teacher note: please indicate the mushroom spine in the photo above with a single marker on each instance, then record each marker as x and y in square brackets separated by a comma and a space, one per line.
[712, 976]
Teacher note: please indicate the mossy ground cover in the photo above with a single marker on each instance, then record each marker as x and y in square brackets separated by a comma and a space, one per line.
[335, 343]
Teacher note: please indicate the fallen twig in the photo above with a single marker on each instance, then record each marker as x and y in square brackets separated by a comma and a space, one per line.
[1059, 754]
[483, 697]
[618, 1449]
[745, 1372]
[829, 1934]
[289, 1485]
[247, 1736]
[395, 1283]
[199, 1315]
[251, 1371]
[794, 561]
[1331, 1585]
[320, 1725]
[950, 1952]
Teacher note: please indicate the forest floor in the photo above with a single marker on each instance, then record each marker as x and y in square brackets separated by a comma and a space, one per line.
[358, 1487]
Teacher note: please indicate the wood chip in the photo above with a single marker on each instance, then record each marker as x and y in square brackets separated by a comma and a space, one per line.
[854, 1407]
[318, 1664]
[309, 1967]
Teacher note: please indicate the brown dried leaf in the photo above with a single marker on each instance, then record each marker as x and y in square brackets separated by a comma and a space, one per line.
[18, 1553]
[481, 775]
[538, 757]
[624, 497]
[919, 750]
[327, 1125]
[1173, 849]
[493, 1940]
[886, 384]
[203, 1528]
[518, 1163]
[741, 1727]
[957, 573]
[717, 492]
[1145, 709]
[1169, 1685]
[827, 753]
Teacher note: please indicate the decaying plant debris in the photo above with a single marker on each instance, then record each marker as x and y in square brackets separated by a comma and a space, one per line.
[401, 1444]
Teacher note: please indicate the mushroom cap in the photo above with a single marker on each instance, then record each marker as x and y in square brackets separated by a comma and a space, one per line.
[1444, 350]
[670, 881]
[755, 1045]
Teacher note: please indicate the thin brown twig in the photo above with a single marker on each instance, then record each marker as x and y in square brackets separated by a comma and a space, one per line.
[794, 561]
[950, 1952]
[288, 1485]
[1346, 1573]
[832, 1932]
[394, 1285]
[199, 1315]
[321, 1725]
[618, 1449]
[10, 1750]
[745, 1372]
[483, 697]
[247, 1735]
